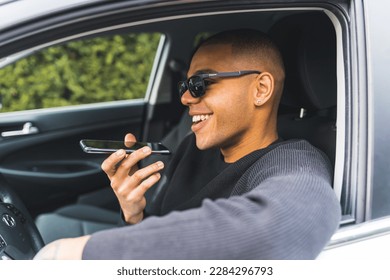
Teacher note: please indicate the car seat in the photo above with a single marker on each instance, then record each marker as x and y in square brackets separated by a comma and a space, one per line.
[308, 105]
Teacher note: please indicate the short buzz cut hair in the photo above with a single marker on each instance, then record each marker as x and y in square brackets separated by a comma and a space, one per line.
[258, 45]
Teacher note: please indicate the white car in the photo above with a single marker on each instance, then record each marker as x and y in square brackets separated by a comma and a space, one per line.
[82, 68]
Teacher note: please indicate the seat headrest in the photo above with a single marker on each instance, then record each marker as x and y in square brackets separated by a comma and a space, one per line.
[308, 45]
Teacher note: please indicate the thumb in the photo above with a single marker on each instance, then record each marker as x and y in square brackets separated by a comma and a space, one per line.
[130, 138]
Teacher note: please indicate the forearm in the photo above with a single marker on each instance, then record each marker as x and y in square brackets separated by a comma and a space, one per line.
[63, 249]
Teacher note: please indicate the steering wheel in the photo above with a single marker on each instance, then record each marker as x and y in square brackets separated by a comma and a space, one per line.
[19, 236]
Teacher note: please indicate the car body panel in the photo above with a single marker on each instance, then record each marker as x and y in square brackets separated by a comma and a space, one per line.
[363, 241]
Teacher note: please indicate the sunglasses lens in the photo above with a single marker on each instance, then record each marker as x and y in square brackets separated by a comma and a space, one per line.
[182, 87]
[196, 86]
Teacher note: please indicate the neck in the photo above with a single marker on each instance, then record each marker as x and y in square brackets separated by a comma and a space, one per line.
[242, 148]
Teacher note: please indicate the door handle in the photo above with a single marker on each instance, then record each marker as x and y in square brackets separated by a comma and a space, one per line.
[27, 129]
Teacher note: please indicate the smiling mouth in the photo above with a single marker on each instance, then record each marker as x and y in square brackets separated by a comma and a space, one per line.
[199, 118]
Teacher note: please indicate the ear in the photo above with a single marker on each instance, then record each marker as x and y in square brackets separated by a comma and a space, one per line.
[263, 89]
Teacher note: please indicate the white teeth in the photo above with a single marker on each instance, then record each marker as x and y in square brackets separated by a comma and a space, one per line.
[198, 118]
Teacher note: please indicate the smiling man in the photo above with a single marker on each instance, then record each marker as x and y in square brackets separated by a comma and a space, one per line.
[234, 189]
[239, 112]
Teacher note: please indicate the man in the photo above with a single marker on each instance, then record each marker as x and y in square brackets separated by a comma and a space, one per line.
[234, 191]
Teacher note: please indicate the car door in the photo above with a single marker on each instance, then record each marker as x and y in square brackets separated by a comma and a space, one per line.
[53, 95]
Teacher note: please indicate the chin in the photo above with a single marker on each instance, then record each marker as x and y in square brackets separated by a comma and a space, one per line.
[202, 147]
[201, 144]
[205, 144]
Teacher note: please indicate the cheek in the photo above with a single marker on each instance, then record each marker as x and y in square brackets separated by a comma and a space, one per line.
[232, 115]
[231, 106]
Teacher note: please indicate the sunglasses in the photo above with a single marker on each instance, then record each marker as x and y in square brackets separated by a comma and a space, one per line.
[197, 84]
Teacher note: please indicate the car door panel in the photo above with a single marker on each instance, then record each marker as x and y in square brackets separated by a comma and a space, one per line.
[51, 162]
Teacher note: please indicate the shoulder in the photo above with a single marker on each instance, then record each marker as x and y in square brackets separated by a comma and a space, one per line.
[287, 162]
[296, 145]
[297, 154]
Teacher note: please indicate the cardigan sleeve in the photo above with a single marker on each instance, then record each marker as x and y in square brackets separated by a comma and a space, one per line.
[289, 212]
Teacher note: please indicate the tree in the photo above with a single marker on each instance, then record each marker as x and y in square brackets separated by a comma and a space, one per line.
[80, 72]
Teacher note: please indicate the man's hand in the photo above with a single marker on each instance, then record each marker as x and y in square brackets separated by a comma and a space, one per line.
[130, 183]
[63, 249]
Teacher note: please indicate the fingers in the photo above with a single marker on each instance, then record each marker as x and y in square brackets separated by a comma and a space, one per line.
[110, 163]
[147, 184]
[126, 174]
[131, 161]
[140, 181]
[147, 177]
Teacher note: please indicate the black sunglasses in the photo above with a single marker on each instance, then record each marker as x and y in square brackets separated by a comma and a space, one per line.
[197, 85]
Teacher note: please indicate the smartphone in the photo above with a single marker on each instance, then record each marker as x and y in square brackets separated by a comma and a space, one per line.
[109, 146]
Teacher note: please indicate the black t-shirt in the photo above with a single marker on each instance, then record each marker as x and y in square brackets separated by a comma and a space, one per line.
[187, 174]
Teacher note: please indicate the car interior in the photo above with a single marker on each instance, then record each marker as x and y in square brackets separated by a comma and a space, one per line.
[308, 109]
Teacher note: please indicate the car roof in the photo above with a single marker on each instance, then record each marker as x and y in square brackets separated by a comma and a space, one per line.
[29, 10]
[34, 9]
[43, 21]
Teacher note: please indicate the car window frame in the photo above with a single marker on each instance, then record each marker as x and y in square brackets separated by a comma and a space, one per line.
[343, 153]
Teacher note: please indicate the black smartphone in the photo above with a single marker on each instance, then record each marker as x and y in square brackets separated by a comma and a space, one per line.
[109, 146]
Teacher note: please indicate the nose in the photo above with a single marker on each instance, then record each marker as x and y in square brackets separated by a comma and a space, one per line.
[187, 99]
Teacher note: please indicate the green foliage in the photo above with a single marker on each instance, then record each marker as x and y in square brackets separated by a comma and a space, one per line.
[80, 72]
